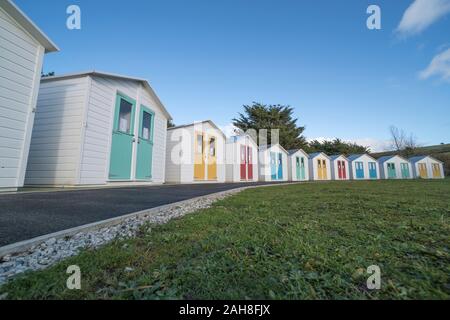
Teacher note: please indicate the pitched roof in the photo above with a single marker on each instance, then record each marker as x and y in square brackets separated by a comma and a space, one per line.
[197, 123]
[315, 154]
[335, 156]
[420, 158]
[268, 146]
[294, 151]
[144, 82]
[22, 19]
[353, 157]
[386, 158]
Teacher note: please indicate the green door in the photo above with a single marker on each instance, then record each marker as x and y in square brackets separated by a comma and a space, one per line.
[302, 169]
[405, 171]
[297, 166]
[145, 144]
[391, 171]
[122, 139]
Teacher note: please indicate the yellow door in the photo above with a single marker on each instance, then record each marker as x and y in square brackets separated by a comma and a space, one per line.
[436, 171]
[212, 158]
[319, 169]
[423, 171]
[324, 170]
[199, 157]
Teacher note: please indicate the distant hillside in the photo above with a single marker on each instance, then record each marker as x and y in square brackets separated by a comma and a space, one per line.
[440, 152]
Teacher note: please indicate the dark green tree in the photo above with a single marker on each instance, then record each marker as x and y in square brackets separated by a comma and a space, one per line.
[49, 74]
[260, 116]
[336, 146]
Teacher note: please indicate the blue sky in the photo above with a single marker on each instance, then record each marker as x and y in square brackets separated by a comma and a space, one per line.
[205, 59]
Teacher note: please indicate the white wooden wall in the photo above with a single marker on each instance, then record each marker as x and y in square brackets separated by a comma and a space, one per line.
[21, 59]
[293, 166]
[335, 169]
[73, 131]
[56, 141]
[365, 159]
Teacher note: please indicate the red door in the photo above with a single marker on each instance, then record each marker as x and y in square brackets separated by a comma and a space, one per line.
[344, 170]
[250, 163]
[243, 163]
[340, 169]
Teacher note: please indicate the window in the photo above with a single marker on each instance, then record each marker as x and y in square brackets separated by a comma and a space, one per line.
[146, 126]
[212, 147]
[125, 116]
[200, 144]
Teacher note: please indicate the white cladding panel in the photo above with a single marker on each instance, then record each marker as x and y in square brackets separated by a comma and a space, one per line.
[21, 59]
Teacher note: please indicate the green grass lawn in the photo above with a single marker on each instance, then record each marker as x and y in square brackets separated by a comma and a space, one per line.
[308, 241]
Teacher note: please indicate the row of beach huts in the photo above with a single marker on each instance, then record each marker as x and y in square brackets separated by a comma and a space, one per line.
[95, 128]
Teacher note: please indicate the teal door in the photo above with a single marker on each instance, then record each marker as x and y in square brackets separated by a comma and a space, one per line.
[405, 170]
[391, 171]
[372, 170]
[298, 168]
[302, 169]
[145, 144]
[122, 139]
[280, 166]
[359, 170]
[273, 165]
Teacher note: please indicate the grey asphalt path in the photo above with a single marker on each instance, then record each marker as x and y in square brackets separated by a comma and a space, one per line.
[29, 215]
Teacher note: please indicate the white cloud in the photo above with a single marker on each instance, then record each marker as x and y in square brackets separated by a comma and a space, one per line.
[439, 67]
[421, 14]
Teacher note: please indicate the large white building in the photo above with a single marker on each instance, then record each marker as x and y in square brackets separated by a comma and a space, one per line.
[241, 159]
[22, 49]
[426, 167]
[97, 128]
[195, 154]
[273, 163]
[395, 167]
[363, 167]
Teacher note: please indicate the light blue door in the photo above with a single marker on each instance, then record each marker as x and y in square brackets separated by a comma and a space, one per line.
[405, 170]
[273, 165]
[359, 170]
[122, 139]
[373, 170]
[280, 166]
[392, 174]
[145, 145]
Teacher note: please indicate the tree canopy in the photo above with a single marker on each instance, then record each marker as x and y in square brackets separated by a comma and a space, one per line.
[260, 116]
[336, 146]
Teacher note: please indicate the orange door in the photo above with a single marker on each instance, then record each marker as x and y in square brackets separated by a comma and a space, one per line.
[212, 158]
[423, 171]
[324, 170]
[319, 169]
[199, 157]
[436, 171]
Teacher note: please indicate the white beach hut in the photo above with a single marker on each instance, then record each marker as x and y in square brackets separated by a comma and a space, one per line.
[195, 153]
[363, 167]
[298, 165]
[22, 49]
[241, 159]
[273, 163]
[96, 128]
[319, 166]
[427, 167]
[395, 167]
[339, 167]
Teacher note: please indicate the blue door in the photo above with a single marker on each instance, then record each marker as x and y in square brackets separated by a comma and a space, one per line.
[359, 170]
[273, 165]
[280, 166]
[373, 170]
